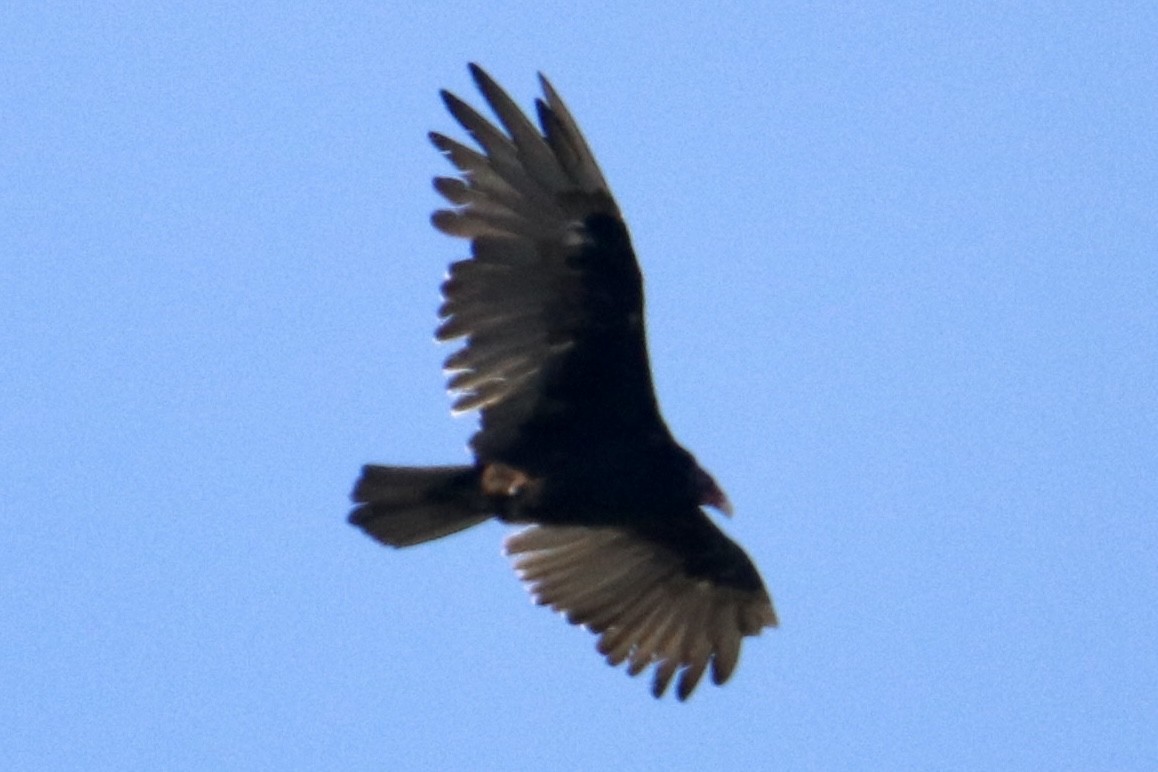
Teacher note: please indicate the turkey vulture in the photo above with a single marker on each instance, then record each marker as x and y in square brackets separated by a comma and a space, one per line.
[571, 443]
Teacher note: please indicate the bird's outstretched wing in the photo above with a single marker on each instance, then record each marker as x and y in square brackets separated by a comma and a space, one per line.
[550, 303]
[650, 604]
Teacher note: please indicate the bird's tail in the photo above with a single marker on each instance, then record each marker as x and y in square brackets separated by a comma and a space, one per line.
[405, 505]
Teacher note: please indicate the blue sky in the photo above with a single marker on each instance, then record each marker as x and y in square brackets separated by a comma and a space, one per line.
[903, 303]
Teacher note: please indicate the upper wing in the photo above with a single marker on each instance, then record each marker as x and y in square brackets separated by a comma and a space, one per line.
[551, 301]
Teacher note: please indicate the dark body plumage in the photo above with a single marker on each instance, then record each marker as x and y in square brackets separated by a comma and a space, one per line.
[571, 440]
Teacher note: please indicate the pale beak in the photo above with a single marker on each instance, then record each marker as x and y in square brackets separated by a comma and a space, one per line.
[710, 493]
[719, 502]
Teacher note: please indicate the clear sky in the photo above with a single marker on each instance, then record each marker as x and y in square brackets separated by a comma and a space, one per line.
[902, 275]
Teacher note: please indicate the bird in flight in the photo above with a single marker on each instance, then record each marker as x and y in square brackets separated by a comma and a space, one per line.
[571, 444]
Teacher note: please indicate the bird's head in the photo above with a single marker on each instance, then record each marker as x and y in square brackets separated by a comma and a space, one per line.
[710, 494]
